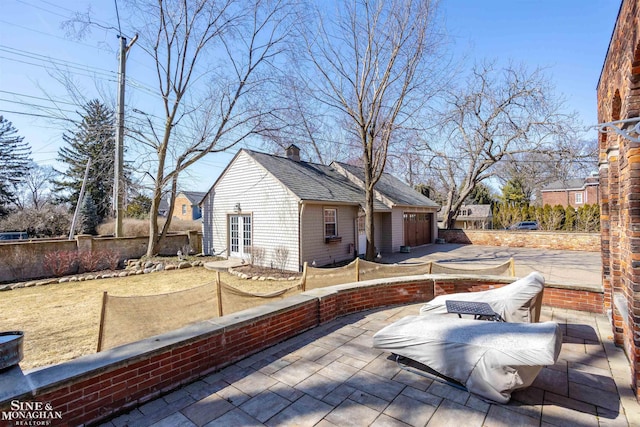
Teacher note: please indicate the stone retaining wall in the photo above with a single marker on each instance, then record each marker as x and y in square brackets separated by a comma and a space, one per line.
[587, 242]
[24, 260]
[96, 387]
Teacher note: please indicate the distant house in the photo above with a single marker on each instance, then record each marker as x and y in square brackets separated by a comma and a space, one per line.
[572, 192]
[472, 217]
[163, 207]
[187, 205]
[293, 211]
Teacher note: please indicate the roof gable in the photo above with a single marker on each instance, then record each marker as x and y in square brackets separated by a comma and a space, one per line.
[389, 188]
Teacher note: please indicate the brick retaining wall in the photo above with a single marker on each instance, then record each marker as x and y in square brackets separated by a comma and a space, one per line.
[587, 242]
[95, 387]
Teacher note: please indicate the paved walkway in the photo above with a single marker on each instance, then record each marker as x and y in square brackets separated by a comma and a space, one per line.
[564, 267]
[223, 265]
[331, 376]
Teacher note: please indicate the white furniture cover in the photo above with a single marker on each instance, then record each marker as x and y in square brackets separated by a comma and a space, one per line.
[491, 359]
[519, 301]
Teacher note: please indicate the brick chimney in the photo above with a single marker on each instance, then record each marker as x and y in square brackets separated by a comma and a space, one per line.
[293, 153]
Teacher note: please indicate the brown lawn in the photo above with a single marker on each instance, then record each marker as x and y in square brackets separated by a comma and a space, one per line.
[61, 321]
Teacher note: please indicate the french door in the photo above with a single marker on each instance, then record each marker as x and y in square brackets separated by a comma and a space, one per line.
[239, 235]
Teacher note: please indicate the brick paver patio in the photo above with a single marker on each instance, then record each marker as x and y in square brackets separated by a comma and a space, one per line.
[331, 376]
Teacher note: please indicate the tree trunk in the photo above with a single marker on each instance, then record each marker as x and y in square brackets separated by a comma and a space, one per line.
[450, 221]
[172, 197]
[370, 254]
[369, 225]
[152, 244]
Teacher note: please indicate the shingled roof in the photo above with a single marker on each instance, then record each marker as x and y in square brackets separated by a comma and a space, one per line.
[471, 213]
[570, 184]
[390, 187]
[312, 181]
[316, 182]
[194, 197]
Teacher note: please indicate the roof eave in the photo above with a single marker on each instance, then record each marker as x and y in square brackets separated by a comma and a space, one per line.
[606, 56]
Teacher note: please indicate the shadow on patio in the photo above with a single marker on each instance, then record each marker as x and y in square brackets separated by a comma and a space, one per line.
[331, 375]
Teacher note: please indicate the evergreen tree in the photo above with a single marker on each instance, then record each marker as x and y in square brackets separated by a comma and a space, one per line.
[570, 218]
[513, 193]
[481, 195]
[93, 138]
[14, 162]
[557, 218]
[139, 207]
[88, 217]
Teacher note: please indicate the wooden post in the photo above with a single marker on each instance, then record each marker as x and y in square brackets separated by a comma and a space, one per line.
[512, 267]
[101, 328]
[303, 282]
[430, 267]
[357, 269]
[218, 287]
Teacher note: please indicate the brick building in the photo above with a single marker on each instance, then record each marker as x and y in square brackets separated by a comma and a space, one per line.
[572, 192]
[186, 205]
[619, 167]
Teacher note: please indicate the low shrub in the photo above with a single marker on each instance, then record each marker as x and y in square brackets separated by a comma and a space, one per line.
[256, 255]
[90, 261]
[110, 258]
[281, 255]
[60, 263]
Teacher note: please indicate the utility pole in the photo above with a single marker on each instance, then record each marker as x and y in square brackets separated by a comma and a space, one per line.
[118, 178]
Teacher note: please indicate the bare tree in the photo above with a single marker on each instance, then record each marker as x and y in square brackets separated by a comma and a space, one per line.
[498, 114]
[576, 158]
[35, 191]
[214, 60]
[372, 63]
[303, 123]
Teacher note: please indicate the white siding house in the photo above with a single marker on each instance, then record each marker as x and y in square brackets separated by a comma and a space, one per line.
[250, 196]
[272, 205]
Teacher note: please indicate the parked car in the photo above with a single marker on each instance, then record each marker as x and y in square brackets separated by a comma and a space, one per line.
[13, 235]
[525, 225]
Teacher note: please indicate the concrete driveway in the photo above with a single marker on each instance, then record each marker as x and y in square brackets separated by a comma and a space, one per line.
[562, 267]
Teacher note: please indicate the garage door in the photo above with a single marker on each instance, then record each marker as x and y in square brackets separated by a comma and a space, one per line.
[417, 228]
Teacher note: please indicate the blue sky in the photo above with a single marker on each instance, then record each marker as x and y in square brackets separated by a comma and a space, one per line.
[567, 37]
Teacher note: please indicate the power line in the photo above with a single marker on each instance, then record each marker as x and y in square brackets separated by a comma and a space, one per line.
[53, 35]
[101, 24]
[35, 115]
[38, 97]
[44, 107]
[109, 75]
[56, 61]
[42, 8]
[55, 69]
[118, 17]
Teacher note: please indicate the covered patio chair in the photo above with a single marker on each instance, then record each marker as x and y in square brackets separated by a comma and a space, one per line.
[491, 359]
[519, 301]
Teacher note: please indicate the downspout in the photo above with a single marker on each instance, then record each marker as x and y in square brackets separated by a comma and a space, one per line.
[301, 206]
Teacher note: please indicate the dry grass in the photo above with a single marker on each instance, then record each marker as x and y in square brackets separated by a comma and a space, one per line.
[61, 321]
[140, 227]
